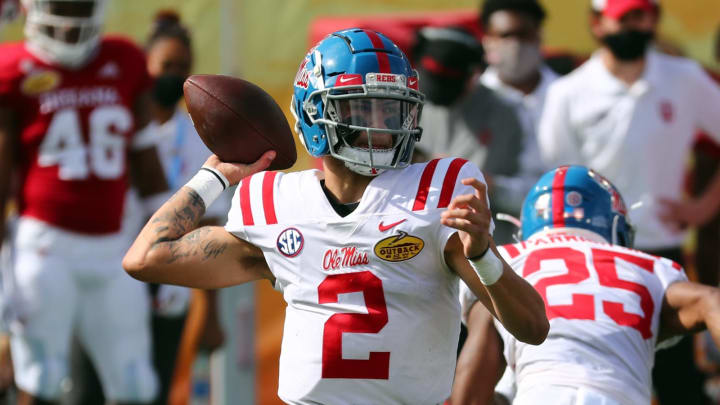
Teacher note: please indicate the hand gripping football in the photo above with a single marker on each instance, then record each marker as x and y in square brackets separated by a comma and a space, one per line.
[238, 121]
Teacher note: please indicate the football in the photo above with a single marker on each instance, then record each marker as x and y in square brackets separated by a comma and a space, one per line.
[238, 121]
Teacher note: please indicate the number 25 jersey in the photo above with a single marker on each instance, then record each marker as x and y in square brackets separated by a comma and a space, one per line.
[372, 311]
[75, 127]
[603, 303]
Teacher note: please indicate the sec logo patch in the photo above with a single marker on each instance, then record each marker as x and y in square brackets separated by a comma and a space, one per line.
[290, 242]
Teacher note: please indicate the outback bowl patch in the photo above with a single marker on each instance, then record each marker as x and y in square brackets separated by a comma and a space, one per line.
[398, 248]
[40, 82]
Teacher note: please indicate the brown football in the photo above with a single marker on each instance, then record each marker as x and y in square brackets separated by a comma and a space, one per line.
[239, 121]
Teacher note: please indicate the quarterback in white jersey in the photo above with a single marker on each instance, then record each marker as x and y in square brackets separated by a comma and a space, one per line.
[360, 288]
[367, 253]
[609, 305]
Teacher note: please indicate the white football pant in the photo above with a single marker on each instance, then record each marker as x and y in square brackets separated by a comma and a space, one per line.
[69, 283]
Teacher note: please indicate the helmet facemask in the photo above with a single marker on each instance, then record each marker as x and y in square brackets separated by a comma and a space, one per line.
[370, 127]
[65, 32]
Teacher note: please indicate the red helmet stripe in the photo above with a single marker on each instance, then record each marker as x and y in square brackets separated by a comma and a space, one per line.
[382, 57]
[268, 198]
[558, 196]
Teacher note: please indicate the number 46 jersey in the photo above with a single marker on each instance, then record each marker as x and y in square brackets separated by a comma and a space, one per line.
[373, 312]
[603, 303]
[75, 128]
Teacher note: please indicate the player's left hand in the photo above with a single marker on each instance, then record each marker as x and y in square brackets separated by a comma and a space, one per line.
[680, 214]
[471, 216]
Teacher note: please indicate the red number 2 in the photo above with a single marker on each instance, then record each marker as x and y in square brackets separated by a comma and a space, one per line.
[333, 365]
[583, 305]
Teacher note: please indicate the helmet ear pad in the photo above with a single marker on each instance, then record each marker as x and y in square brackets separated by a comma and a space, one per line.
[576, 197]
[349, 66]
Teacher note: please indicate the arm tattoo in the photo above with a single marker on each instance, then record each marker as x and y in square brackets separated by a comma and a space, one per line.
[171, 226]
[177, 230]
[195, 244]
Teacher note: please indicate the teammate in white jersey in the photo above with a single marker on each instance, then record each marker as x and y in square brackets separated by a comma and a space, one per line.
[366, 254]
[609, 306]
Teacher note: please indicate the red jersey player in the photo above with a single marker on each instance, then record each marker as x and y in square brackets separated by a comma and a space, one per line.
[609, 305]
[367, 254]
[72, 105]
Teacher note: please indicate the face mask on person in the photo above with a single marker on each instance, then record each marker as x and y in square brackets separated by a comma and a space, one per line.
[515, 61]
[628, 45]
[168, 89]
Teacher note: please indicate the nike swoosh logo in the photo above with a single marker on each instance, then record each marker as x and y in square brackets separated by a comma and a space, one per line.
[346, 79]
[383, 228]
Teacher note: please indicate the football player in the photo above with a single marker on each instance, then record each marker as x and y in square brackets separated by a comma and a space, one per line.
[366, 254]
[72, 110]
[610, 307]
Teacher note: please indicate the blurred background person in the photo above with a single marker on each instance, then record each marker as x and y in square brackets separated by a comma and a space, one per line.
[170, 61]
[176, 336]
[517, 74]
[631, 113]
[461, 116]
[73, 108]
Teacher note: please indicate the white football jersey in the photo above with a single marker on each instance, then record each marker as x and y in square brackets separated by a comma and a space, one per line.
[373, 314]
[603, 302]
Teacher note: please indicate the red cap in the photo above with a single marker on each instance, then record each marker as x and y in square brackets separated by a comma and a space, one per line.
[615, 9]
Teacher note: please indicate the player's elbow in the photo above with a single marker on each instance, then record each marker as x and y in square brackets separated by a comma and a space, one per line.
[710, 303]
[533, 332]
[138, 266]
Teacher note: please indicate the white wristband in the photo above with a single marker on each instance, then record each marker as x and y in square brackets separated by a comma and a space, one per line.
[209, 184]
[489, 268]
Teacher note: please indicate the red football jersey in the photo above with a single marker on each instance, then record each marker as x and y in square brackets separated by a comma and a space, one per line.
[75, 129]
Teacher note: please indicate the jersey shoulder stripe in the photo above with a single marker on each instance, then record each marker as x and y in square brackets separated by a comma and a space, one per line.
[449, 182]
[245, 207]
[268, 197]
[260, 185]
[438, 183]
[424, 186]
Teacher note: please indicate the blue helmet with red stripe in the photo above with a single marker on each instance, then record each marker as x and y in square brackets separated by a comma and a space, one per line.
[576, 197]
[356, 98]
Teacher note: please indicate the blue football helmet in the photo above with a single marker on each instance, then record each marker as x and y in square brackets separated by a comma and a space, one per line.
[356, 98]
[576, 197]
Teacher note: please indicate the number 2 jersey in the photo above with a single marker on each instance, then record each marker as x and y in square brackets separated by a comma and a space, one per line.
[373, 311]
[75, 127]
[603, 303]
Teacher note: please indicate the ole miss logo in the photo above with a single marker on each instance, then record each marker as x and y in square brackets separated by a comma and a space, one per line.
[290, 242]
[303, 76]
